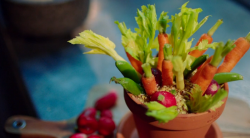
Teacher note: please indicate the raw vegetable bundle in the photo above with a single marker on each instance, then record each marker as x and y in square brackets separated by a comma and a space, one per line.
[180, 79]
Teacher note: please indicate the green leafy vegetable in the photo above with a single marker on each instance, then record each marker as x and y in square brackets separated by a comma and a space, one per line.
[162, 23]
[199, 103]
[140, 44]
[184, 25]
[160, 112]
[129, 40]
[98, 44]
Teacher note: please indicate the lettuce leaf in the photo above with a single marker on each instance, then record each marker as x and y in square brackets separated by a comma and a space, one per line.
[199, 103]
[160, 112]
[98, 44]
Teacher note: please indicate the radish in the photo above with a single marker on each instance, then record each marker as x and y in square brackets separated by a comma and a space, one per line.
[107, 101]
[78, 135]
[106, 126]
[157, 73]
[165, 98]
[212, 88]
[106, 113]
[89, 112]
[94, 136]
[87, 124]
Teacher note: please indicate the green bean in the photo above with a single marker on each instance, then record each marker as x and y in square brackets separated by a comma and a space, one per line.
[128, 71]
[129, 85]
[227, 77]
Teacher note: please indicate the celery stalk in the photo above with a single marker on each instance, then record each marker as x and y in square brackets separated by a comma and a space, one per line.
[178, 71]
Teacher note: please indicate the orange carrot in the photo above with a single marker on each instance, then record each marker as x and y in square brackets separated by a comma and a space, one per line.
[194, 78]
[208, 71]
[206, 76]
[167, 66]
[197, 53]
[233, 57]
[208, 36]
[135, 63]
[148, 80]
[162, 39]
[167, 73]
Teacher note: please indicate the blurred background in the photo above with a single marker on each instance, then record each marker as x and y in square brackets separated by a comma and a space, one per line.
[44, 76]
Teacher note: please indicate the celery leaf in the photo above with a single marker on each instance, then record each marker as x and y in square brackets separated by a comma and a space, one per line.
[98, 44]
[161, 113]
[199, 103]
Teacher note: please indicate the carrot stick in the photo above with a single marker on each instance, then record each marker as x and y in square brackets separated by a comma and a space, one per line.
[162, 39]
[206, 76]
[207, 36]
[148, 80]
[208, 71]
[135, 63]
[233, 57]
[194, 78]
[167, 66]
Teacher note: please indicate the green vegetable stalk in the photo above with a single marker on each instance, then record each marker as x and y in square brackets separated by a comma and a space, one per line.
[167, 50]
[178, 72]
[215, 27]
[221, 51]
[147, 70]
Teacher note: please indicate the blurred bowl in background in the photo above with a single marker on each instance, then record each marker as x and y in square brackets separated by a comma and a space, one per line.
[44, 18]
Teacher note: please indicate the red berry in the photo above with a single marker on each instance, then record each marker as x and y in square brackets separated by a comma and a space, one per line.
[78, 135]
[106, 126]
[106, 113]
[89, 112]
[107, 101]
[87, 124]
[94, 136]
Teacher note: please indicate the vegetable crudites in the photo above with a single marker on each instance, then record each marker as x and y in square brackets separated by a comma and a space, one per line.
[187, 76]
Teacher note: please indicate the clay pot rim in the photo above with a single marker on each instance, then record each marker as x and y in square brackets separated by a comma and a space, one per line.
[179, 115]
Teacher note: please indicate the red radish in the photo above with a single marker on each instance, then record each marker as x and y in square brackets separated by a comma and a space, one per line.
[89, 112]
[165, 98]
[78, 135]
[106, 113]
[87, 124]
[94, 136]
[212, 88]
[157, 73]
[106, 126]
[107, 101]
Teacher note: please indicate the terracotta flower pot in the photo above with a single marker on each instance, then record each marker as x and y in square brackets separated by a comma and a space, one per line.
[184, 125]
